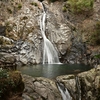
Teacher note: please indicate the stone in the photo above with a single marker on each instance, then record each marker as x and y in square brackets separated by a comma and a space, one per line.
[7, 61]
[40, 88]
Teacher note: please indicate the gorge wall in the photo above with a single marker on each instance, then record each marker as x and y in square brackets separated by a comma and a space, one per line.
[20, 33]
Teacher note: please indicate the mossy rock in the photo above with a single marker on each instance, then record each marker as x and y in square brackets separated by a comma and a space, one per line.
[10, 84]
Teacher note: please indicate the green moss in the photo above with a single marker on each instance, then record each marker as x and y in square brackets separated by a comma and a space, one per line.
[97, 56]
[95, 36]
[64, 9]
[33, 3]
[79, 6]
[19, 6]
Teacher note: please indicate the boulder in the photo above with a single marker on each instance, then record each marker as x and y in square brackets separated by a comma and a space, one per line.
[40, 89]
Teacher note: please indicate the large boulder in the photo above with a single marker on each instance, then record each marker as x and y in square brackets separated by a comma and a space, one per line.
[40, 89]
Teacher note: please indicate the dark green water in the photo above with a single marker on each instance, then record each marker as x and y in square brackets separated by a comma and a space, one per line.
[53, 70]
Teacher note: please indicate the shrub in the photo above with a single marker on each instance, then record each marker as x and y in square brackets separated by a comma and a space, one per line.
[78, 6]
[9, 10]
[3, 82]
[33, 3]
[95, 37]
[19, 6]
[10, 83]
[97, 56]
[64, 9]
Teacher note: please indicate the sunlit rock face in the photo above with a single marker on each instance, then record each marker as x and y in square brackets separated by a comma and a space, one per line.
[40, 89]
[25, 28]
[20, 30]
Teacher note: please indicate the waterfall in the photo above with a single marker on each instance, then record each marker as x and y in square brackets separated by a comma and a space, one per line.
[64, 92]
[50, 55]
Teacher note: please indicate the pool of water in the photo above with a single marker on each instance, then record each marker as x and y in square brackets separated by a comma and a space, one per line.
[53, 70]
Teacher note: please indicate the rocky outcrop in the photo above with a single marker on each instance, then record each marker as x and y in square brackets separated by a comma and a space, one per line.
[20, 32]
[7, 61]
[85, 85]
[40, 89]
[91, 81]
[23, 27]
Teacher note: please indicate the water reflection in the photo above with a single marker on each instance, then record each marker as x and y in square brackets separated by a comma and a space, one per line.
[53, 70]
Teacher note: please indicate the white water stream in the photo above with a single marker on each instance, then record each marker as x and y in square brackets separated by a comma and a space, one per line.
[50, 55]
[64, 92]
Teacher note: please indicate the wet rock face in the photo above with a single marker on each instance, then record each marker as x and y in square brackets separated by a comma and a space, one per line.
[40, 89]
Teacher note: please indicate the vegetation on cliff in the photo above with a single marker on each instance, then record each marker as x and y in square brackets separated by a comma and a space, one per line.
[95, 37]
[79, 6]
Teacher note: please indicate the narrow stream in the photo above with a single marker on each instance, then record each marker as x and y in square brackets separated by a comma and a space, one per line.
[64, 92]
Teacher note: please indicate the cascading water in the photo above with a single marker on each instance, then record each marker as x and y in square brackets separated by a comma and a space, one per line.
[50, 55]
[64, 92]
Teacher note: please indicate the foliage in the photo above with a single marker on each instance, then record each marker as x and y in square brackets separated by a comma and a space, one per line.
[33, 3]
[64, 9]
[9, 10]
[97, 56]
[95, 37]
[9, 81]
[79, 6]
[19, 6]
[4, 81]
